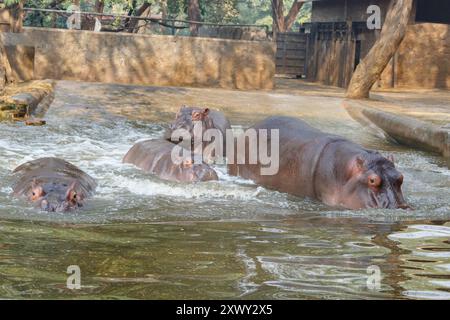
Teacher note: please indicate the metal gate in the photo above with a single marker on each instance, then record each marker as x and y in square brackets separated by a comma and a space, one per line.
[291, 53]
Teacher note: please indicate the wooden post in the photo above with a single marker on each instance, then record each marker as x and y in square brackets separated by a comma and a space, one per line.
[16, 17]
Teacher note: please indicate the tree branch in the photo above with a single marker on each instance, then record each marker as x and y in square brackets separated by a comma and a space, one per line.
[292, 15]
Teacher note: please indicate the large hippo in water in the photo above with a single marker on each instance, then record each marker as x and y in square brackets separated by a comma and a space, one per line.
[210, 119]
[326, 167]
[155, 156]
[53, 184]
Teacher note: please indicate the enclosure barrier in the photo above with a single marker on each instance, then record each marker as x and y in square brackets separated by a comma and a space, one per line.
[140, 24]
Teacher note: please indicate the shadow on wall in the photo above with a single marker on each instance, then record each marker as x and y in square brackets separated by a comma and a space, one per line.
[443, 77]
[149, 59]
[424, 57]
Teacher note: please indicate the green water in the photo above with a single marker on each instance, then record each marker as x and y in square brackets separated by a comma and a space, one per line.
[144, 238]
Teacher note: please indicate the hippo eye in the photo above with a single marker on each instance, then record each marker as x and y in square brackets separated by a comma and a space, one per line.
[37, 193]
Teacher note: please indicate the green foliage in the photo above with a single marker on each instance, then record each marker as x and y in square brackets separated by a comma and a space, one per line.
[220, 11]
[217, 11]
[10, 2]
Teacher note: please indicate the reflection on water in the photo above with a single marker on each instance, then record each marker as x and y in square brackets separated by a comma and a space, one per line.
[141, 237]
[426, 260]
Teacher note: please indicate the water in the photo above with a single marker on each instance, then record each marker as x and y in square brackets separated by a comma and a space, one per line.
[144, 238]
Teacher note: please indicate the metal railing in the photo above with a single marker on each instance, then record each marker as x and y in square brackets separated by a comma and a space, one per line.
[52, 18]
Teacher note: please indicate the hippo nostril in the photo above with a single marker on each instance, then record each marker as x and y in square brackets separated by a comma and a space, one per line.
[44, 205]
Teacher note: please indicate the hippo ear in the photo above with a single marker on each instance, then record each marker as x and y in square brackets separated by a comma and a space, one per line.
[391, 158]
[200, 115]
[360, 163]
[197, 116]
[187, 163]
[36, 191]
[356, 166]
[34, 184]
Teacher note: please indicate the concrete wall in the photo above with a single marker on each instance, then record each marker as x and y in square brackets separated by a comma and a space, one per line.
[241, 33]
[148, 59]
[423, 58]
[422, 61]
[22, 60]
[5, 20]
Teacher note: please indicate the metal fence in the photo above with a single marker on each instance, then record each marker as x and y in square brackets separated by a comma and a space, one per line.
[104, 22]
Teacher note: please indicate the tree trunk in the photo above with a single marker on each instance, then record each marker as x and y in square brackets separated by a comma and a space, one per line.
[142, 25]
[280, 22]
[292, 15]
[16, 17]
[164, 13]
[99, 6]
[138, 12]
[278, 16]
[54, 5]
[6, 76]
[194, 15]
[163, 5]
[392, 34]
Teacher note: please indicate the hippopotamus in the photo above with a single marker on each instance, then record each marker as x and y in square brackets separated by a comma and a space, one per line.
[53, 184]
[155, 156]
[210, 119]
[326, 167]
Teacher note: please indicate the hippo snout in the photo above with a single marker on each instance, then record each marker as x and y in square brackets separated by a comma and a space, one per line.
[54, 207]
[45, 205]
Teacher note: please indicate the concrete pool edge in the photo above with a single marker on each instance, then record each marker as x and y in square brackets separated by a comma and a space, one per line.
[405, 130]
[18, 101]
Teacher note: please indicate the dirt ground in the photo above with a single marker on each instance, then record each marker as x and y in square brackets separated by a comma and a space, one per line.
[426, 104]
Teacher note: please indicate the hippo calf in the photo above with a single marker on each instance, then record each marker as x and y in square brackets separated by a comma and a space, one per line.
[155, 156]
[210, 119]
[53, 184]
[326, 167]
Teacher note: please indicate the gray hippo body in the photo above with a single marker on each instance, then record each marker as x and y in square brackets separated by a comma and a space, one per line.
[53, 184]
[211, 119]
[326, 167]
[154, 156]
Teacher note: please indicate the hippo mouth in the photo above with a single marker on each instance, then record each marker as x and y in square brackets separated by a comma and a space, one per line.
[63, 206]
[382, 201]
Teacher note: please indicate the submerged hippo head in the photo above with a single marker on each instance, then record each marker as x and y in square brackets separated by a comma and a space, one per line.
[190, 172]
[186, 118]
[373, 182]
[56, 197]
[52, 184]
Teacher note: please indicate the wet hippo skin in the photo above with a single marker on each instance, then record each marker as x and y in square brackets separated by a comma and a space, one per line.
[154, 156]
[326, 167]
[53, 184]
[211, 119]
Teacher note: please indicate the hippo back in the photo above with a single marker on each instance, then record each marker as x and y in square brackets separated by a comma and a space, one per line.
[212, 119]
[155, 156]
[51, 171]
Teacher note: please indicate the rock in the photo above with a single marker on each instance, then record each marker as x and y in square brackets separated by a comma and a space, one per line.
[35, 122]
[25, 99]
